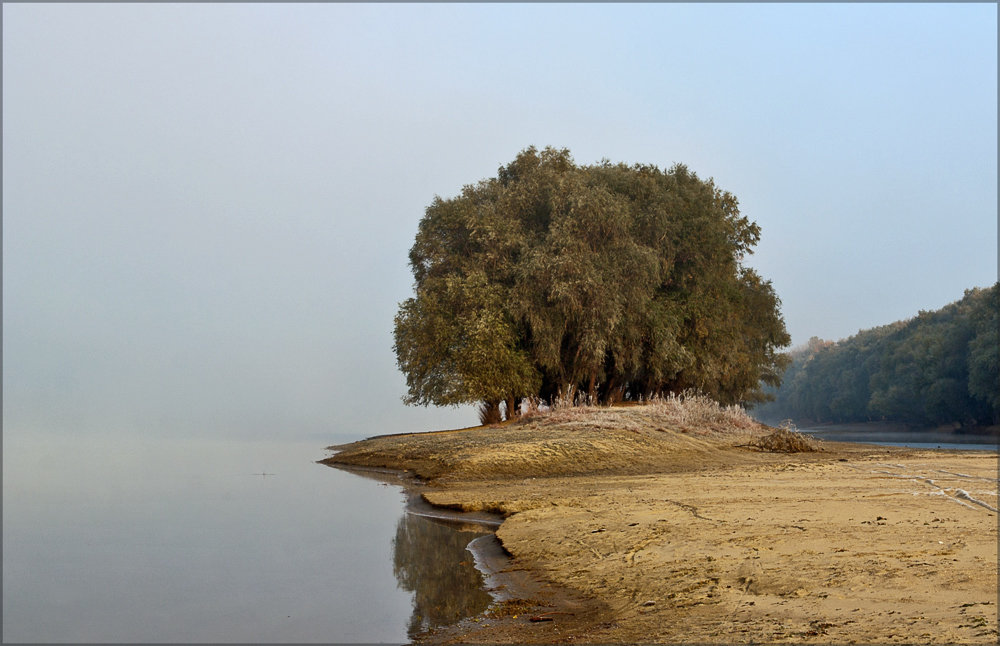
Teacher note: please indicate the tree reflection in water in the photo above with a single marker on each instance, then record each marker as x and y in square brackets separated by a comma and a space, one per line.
[429, 559]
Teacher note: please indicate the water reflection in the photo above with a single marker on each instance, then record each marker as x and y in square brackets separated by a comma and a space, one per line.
[130, 539]
[430, 560]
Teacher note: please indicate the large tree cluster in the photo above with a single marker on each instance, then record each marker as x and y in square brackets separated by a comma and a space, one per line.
[607, 282]
[939, 367]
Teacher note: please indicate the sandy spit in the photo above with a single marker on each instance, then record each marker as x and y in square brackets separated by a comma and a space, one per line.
[638, 529]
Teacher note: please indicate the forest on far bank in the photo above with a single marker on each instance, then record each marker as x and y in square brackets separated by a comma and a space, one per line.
[937, 368]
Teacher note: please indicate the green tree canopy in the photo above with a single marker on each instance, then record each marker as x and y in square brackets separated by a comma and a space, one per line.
[936, 368]
[610, 281]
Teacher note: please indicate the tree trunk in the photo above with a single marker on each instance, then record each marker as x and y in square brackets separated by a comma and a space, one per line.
[489, 412]
[608, 391]
[567, 393]
[513, 407]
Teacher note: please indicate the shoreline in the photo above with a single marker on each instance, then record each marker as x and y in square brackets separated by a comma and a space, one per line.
[992, 433]
[517, 593]
[698, 538]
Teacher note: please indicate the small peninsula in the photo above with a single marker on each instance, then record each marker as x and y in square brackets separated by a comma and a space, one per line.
[683, 521]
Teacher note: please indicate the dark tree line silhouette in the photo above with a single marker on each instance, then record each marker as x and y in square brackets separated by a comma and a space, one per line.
[937, 368]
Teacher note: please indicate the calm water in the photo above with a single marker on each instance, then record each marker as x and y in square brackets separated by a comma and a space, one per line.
[129, 540]
[916, 440]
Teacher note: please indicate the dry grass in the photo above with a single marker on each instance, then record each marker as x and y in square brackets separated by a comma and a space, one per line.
[687, 412]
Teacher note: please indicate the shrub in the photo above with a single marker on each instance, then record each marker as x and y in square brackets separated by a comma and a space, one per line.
[489, 414]
[687, 412]
[786, 440]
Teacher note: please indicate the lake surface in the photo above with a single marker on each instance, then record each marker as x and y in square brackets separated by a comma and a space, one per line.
[135, 540]
[912, 439]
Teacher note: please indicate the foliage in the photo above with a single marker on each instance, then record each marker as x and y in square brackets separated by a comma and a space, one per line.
[937, 368]
[616, 282]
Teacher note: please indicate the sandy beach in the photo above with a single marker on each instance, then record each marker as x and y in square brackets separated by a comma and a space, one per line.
[637, 525]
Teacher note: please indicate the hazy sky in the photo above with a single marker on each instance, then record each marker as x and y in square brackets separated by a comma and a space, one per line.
[207, 208]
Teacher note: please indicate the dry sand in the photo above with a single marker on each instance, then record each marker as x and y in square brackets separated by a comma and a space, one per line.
[635, 527]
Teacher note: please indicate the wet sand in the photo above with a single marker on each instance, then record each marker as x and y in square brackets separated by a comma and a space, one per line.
[632, 530]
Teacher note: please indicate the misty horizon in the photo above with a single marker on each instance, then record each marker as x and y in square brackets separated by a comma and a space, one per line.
[208, 208]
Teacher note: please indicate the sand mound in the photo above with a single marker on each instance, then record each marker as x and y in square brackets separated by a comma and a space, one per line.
[785, 440]
[663, 436]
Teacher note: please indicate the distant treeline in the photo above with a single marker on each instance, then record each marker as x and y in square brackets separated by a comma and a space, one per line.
[938, 368]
